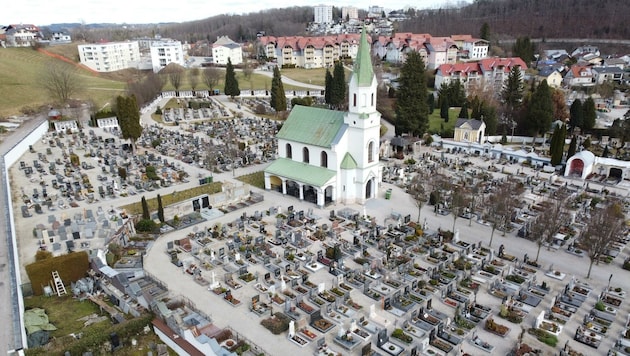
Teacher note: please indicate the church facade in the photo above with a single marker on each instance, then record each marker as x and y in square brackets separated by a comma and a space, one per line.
[327, 156]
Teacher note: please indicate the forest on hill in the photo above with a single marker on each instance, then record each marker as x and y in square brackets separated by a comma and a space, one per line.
[532, 18]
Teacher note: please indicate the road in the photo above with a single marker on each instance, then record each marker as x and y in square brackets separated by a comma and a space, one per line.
[11, 335]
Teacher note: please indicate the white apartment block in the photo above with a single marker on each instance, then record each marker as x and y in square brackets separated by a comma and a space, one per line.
[323, 14]
[350, 13]
[475, 48]
[225, 48]
[110, 56]
[165, 53]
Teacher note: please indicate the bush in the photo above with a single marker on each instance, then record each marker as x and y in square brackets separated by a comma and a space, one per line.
[146, 225]
[71, 267]
[158, 111]
[42, 255]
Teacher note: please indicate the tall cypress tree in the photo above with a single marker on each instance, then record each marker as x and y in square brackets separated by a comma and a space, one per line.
[590, 115]
[430, 102]
[463, 113]
[328, 87]
[557, 144]
[128, 115]
[540, 109]
[338, 95]
[444, 109]
[576, 114]
[572, 147]
[278, 97]
[146, 215]
[412, 114]
[160, 211]
[231, 84]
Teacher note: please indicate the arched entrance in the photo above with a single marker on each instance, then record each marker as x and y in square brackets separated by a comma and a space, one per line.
[615, 173]
[368, 189]
[328, 195]
[577, 168]
[293, 188]
[275, 183]
[310, 194]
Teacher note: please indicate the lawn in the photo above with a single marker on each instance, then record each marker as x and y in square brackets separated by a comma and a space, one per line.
[437, 124]
[315, 76]
[256, 179]
[20, 70]
[63, 312]
[175, 197]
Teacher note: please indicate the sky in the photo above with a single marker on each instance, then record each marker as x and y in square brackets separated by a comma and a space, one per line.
[46, 12]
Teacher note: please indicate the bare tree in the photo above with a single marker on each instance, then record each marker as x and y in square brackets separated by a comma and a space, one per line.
[61, 81]
[211, 77]
[193, 79]
[603, 228]
[459, 202]
[418, 190]
[175, 75]
[548, 223]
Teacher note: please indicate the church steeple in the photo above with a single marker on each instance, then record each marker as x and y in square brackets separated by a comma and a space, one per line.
[363, 72]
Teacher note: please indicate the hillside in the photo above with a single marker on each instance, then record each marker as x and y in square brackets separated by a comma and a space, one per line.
[533, 18]
[20, 73]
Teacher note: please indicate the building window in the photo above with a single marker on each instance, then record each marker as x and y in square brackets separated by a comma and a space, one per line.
[354, 100]
[371, 152]
[289, 151]
[372, 102]
[305, 158]
[324, 159]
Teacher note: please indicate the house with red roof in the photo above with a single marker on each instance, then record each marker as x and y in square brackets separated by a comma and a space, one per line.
[489, 71]
[22, 35]
[579, 75]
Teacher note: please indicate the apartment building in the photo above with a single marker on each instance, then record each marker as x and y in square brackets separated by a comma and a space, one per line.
[492, 72]
[225, 48]
[323, 14]
[110, 56]
[164, 53]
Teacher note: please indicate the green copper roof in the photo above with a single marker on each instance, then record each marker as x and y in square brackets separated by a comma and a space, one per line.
[300, 172]
[348, 162]
[363, 64]
[312, 126]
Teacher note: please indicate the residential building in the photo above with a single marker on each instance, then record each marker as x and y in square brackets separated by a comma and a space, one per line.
[328, 156]
[615, 62]
[579, 75]
[607, 74]
[110, 56]
[60, 38]
[551, 75]
[474, 49]
[225, 48]
[166, 52]
[375, 12]
[469, 130]
[309, 52]
[22, 35]
[492, 72]
[323, 14]
[349, 13]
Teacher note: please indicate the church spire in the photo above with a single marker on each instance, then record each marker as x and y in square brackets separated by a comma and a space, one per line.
[363, 71]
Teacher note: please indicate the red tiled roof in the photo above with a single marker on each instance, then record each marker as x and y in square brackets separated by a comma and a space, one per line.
[489, 64]
[301, 42]
[463, 68]
[185, 345]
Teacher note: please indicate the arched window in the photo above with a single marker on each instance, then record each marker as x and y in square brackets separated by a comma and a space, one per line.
[354, 100]
[289, 151]
[371, 151]
[372, 102]
[324, 159]
[305, 158]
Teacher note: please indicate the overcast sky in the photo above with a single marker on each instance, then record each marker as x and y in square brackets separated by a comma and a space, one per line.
[45, 12]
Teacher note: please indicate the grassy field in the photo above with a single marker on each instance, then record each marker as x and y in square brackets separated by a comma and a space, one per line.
[63, 312]
[20, 72]
[175, 197]
[437, 124]
[315, 76]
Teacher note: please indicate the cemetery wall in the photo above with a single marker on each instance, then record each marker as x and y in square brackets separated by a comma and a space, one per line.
[18, 150]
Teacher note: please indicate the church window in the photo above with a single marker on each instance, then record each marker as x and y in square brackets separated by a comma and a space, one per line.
[372, 99]
[324, 159]
[289, 151]
[354, 100]
[371, 152]
[305, 158]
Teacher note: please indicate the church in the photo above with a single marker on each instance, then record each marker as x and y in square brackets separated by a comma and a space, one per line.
[327, 156]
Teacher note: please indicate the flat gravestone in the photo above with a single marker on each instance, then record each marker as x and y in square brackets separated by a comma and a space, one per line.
[51, 219]
[56, 246]
[88, 234]
[67, 222]
[74, 227]
[76, 235]
[103, 233]
[62, 235]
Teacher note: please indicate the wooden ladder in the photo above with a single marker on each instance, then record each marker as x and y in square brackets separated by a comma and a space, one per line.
[59, 287]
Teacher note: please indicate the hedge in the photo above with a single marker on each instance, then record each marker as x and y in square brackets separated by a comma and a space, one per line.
[71, 268]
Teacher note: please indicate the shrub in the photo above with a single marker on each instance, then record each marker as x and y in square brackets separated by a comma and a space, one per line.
[42, 255]
[146, 225]
[71, 267]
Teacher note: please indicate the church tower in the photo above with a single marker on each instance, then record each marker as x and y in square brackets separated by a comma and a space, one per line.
[364, 124]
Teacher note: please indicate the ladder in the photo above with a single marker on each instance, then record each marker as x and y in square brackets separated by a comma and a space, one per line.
[59, 287]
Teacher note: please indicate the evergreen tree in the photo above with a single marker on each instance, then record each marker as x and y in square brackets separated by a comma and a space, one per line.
[278, 97]
[572, 147]
[512, 91]
[454, 92]
[411, 97]
[590, 116]
[430, 102]
[576, 114]
[160, 211]
[587, 143]
[540, 109]
[463, 113]
[146, 215]
[231, 84]
[489, 116]
[557, 145]
[128, 116]
[338, 94]
[605, 153]
[328, 87]
[524, 48]
[484, 32]
[444, 109]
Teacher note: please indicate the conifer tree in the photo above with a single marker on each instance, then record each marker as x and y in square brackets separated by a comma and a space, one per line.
[278, 97]
[128, 115]
[338, 94]
[540, 109]
[411, 97]
[231, 83]
[576, 114]
[430, 102]
[590, 115]
[444, 109]
[328, 87]
[160, 211]
[557, 144]
[146, 215]
[572, 147]
[463, 112]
